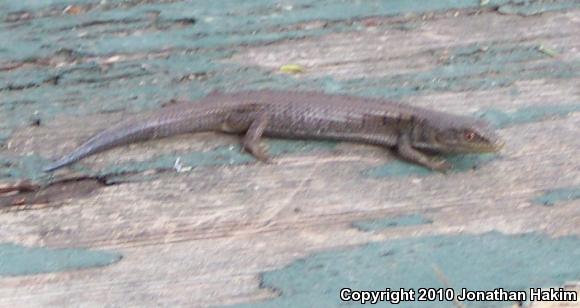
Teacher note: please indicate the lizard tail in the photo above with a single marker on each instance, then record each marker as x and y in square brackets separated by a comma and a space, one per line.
[64, 161]
[135, 130]
[103, 141]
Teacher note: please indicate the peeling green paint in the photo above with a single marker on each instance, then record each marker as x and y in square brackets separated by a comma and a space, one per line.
[529, 8]
[552, 197]
[493, 54]
[16, 260]
[463, 77]
[475, 262]
[461, 163]
[224, 155]
[215, 24]
[22, 167]
[528, 114]
[390, 222]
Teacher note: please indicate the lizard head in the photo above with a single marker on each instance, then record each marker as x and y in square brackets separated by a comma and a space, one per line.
[457, 134]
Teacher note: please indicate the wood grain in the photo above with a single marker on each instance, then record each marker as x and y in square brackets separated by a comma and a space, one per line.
[205, 236]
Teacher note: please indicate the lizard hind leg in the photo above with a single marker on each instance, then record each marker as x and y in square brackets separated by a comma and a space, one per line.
[252, 140]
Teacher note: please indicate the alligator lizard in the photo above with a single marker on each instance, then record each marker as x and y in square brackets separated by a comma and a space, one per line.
[413, 133]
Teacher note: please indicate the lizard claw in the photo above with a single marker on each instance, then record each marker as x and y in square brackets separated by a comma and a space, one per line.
[440, 165]
[258, 152]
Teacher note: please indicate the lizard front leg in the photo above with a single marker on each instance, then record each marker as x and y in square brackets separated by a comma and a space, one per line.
[252, 140]
[406, 151]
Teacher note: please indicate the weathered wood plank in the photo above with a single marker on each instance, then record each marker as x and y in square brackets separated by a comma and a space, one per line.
[207, 236]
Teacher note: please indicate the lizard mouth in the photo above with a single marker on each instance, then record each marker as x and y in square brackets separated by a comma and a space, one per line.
[495, 146]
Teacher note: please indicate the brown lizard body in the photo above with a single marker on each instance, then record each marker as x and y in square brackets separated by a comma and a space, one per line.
[410, 131]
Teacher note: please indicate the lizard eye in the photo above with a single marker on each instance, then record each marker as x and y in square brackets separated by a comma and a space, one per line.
[468, 135]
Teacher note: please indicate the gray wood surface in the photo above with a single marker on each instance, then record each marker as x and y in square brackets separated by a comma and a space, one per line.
[204, 236]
